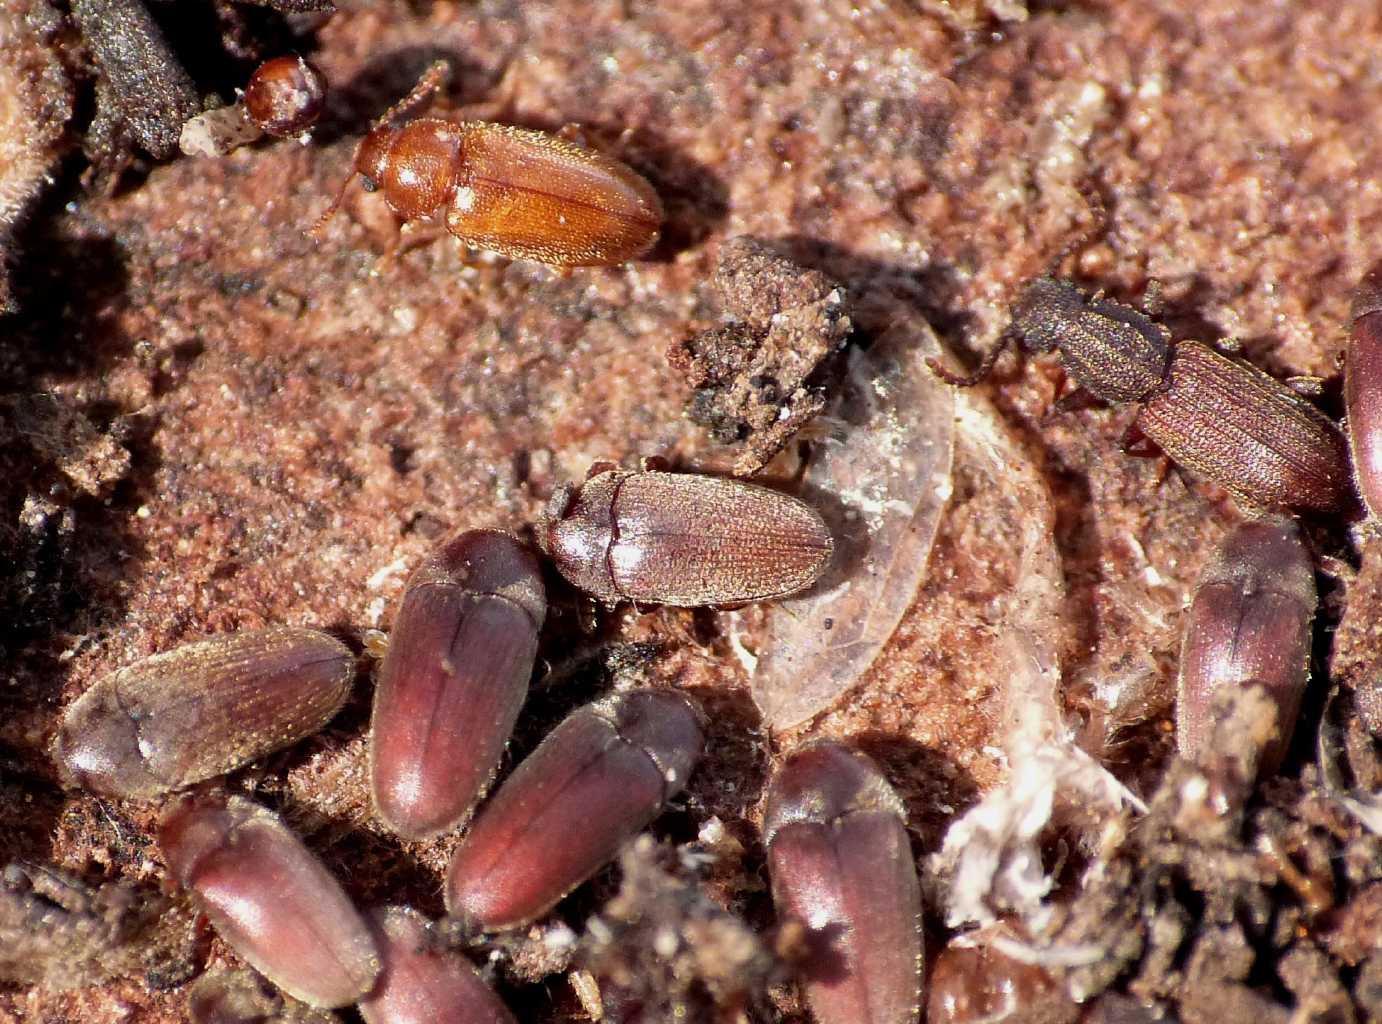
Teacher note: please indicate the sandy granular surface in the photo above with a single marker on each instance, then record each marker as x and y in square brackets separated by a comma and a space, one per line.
[210, 421]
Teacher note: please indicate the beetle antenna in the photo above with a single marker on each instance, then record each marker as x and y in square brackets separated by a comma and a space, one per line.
[433, 80]
[315, 230]
[984, 369]
[1097, 225]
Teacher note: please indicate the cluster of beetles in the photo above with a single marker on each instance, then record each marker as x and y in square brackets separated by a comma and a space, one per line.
[465, 636]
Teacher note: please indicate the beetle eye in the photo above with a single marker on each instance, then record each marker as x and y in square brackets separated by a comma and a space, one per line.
[368, 184]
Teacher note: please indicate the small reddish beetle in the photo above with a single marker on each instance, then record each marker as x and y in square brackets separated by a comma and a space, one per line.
[1248, 625]
[601, 775]
[521, 193]
[453, 681]
[285, 96]
[423, 982]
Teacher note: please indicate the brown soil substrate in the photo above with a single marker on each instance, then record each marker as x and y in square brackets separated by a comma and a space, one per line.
[210, 421]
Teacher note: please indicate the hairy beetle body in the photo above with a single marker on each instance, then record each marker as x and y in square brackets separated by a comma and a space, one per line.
[1111, 349]
[681, 539]
[202, 710]
[1248, 432]
[518, 192]
[522, 193]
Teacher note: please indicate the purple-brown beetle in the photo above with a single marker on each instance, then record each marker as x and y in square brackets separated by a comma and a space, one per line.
[605, 772]
[271, 899]
[1248, 624]
[453, 680]
[681, 539]
[842, 865]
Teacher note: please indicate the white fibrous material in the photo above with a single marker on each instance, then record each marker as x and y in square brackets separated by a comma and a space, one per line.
[1367, 808]
[881, 481]
[218, 131]
[992, 856]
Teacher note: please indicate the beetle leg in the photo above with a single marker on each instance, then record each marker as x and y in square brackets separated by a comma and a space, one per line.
[1137, 444]
[1075, 400]
[654, 464]
[409, 236]
[588, 615]
[573, 132]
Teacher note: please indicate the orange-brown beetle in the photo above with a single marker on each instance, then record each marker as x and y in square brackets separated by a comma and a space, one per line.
[521, 193]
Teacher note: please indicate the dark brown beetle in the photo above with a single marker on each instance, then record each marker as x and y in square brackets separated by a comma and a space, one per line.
[1112, 350]
[1363, 388]
[1248, 432]
[842, 865]
[521, 193]
[680, 539]
[605, 772]
[1249, 624]
[453, 681]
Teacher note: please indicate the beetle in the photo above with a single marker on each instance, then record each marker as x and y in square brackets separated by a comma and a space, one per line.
[421, 982]
[271, 899]
[1248, 624]
[1225, 419]
[453, 680]
[971, 980]
[202, 710]
[842, 865]
[681, 539]
[601, 775]
[285, 96]
[1362, 381]
[522, 193]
